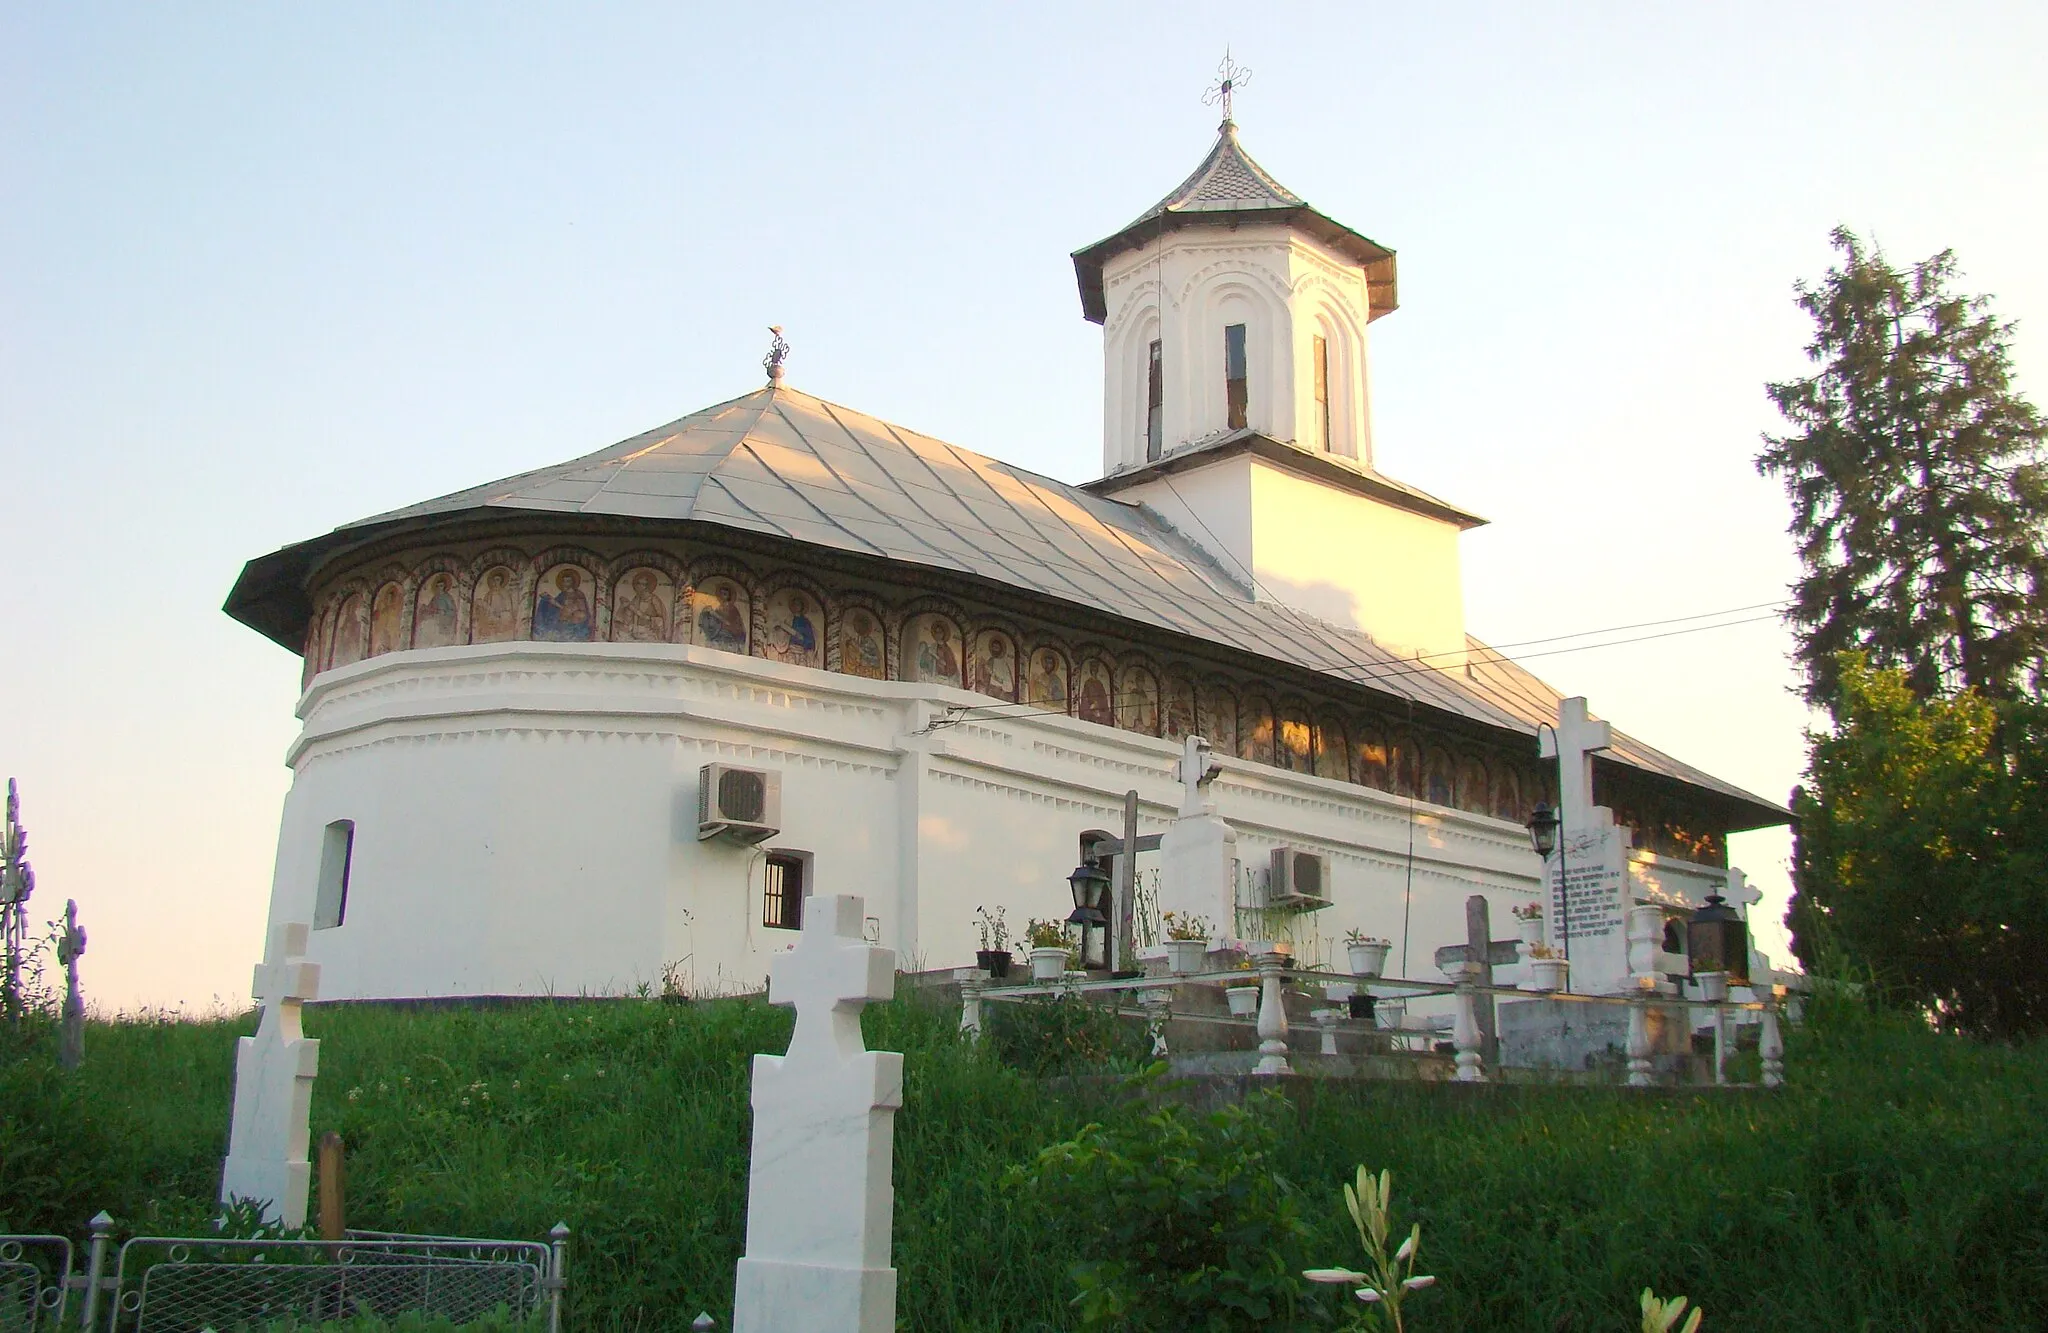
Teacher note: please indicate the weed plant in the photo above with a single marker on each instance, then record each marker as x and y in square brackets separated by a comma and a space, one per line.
[1900, 1182]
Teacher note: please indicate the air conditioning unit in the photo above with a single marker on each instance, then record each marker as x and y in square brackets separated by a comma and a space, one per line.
[1299, 879]
[742, 804]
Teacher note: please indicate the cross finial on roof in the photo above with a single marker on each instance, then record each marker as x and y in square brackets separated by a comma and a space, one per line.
[777, 352]
[1230, 76]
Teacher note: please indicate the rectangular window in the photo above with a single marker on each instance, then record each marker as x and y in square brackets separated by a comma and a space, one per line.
[1321, 354]
[1233, 375]
[1155, 401]
[786, 883]
[330, 896]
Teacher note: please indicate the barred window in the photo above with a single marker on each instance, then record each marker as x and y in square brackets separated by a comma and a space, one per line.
[786, 883]
[1235, 391]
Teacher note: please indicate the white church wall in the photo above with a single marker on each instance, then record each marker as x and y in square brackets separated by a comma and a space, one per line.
[1356, 561]
[525, 819]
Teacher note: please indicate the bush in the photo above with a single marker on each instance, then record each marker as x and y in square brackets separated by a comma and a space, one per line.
[1189, 1225]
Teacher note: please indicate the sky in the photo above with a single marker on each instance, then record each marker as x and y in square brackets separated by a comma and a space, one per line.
[266, 270]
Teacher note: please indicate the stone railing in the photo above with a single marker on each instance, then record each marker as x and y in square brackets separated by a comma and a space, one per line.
[1491, 1033]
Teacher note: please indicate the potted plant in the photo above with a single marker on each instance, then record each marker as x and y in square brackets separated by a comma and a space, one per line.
[993, 957]
[1368, 954]
[1547, 968]
[1244, 998]
[1529, 920]
[1051, 948]
[1187, 941]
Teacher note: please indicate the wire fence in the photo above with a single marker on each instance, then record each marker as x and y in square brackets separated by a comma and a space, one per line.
[167, 1284]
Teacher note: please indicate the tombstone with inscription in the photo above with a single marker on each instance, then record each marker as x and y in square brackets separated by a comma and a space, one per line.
[1589, 884]
[820, 1202]
[274, 1073]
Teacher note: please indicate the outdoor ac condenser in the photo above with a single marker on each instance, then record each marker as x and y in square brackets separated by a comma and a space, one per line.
[743, 804]
[1299, 878]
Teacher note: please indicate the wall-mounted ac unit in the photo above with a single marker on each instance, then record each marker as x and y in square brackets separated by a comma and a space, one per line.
[742, 804]
[1299, 878]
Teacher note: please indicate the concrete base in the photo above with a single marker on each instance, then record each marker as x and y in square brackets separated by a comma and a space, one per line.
[1571, 1035]
[776, 1296]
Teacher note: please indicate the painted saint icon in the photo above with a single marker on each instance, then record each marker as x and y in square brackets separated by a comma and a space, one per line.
[640, 608]
[349, 631]
[995, 665]
[1049, 680]
[494, 617]
[1217, 713]
[1092, 697]
[1177, 715]
[1138, 701]
[937, 657]
[562, 611]
[384, 620]
[433, 620]
[722, 616]
[792, 632]
[860, 645]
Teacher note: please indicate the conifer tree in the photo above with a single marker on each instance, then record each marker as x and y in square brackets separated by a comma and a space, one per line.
[1919, 490]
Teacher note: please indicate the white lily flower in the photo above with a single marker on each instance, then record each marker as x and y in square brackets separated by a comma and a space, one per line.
[1369, 1296]
[1333, 1275]
[1418, 1283]
[1407, 1248]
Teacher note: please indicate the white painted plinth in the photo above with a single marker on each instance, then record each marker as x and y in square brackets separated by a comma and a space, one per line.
[820, 1199]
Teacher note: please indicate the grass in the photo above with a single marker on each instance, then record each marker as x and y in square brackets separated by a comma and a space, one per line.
[1899, 1183]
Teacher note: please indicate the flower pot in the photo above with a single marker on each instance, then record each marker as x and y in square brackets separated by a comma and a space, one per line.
[1244, 1000]
[995, 962]
[1368, 960]
[1048, 964]
[1532, 931]
[1548, 974]
[1184, 956]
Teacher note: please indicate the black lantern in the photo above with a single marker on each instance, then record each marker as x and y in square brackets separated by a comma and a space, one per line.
[1543, 826]
[1717, 940]
[1091, 913]
[1091, 895]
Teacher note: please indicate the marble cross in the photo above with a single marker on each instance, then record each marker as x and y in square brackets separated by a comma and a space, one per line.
[1475, 960]
[1573, 742]
[69, 946]
[820, 1200]
[1196, 771]
[274, 1073]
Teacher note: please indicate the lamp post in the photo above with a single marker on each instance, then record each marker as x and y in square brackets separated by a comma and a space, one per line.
[1544, 825]
[1091, 901]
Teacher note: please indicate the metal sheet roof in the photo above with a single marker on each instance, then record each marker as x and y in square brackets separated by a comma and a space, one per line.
[781, 463]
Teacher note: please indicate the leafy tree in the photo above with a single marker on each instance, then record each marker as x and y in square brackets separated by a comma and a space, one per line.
[1917, 480]
[1922, 857]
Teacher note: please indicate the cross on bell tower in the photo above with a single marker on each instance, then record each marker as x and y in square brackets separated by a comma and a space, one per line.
[1230, 76]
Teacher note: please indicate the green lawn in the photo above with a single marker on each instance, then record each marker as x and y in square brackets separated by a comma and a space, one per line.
[1900, 1182]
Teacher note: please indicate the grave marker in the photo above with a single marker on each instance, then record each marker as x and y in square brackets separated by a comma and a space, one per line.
[274, 1073]
[820, 1201]
[70, 945]
[1475, 960]
[1590, 890]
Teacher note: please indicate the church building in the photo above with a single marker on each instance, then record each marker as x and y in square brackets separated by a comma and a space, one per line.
[613, 720]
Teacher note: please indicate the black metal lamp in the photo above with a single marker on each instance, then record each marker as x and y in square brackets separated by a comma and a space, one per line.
[1543, 825]
[1717, 940]
[1091, 891]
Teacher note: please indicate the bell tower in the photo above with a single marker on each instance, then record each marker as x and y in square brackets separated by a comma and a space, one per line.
[1237, 405]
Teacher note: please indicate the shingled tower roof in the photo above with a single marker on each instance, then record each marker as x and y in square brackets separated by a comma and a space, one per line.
[1230, 189]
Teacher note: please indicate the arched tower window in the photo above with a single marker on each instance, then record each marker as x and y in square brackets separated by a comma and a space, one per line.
[1236, 384]
[1155, 401]
[1319, 367]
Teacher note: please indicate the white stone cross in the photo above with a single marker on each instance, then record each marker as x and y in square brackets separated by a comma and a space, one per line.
[1196, 771]
[1578, 735]
[1741, 892]
[820, 1201]
[274, 1073]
